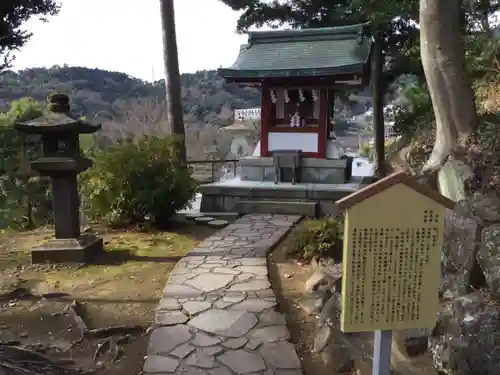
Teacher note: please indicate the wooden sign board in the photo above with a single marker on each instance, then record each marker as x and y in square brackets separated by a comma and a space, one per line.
[393, 238]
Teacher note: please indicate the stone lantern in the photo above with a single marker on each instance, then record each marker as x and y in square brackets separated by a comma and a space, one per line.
[62, 161]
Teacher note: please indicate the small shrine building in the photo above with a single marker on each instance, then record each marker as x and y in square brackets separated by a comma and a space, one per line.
[299, 73]
[301, 167]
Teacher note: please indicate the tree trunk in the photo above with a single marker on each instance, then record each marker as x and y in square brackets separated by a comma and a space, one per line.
[172, 76]
[378, 107]
[443, 59]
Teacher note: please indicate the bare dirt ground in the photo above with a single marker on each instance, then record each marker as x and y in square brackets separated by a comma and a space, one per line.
[41, 305]
[288, 279]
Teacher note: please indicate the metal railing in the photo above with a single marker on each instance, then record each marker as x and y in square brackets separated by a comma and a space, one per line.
[211, 173]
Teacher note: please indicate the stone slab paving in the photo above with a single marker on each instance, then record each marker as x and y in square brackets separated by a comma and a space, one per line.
[218, 312]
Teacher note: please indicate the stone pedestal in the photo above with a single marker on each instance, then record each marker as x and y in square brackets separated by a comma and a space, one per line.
[66, 203]
[83, 249]
[313, 171]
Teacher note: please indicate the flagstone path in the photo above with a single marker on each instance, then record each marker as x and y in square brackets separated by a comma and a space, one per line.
[218, 312]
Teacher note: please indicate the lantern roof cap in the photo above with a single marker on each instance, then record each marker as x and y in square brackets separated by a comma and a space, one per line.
[58, 119]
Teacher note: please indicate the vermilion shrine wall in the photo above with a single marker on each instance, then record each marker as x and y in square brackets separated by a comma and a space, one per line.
[276, 132]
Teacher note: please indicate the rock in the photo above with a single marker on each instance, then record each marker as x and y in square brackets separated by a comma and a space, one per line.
[160, 364]
[331, 342]
[313, 303]
[204, 219]
[488, 256]
[280, 355]
[322, 338]
[453, 285]
[330, 315]
[218, 371]
[458, 257]
[209, 282]
[201, 360]
[260, 270]
[204, 340]
[323, 278]
[182, 351]
[415, 341]
[346, 367]
[250, 286]
[485, 206]
[169, 304]
[416, 346]
[332, 352]
[465, 338]
[218, 223]
[175, 290]
[254, 305]
[235, 343]
[193, 215]
[318, 262]
[196, 307]
[270, 334]
[165, 339]
[242, 362]
[170, 318]
[228, 323]
[459, 248]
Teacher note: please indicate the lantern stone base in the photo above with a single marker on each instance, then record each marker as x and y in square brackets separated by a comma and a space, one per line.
[68, 250]
[313, 171]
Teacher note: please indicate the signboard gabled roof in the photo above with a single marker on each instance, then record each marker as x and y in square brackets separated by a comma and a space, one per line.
[391, 180]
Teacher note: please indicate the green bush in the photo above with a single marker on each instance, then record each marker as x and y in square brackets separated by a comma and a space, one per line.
[366, 151]
[139, 182]
[317, 239]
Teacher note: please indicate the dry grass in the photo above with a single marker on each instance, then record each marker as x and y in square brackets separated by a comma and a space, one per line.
[122, 288]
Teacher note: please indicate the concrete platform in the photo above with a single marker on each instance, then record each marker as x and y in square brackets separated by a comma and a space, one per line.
[313, 170]
[228, 195]
[194, 209]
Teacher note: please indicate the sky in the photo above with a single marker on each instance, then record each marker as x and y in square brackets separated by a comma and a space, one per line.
[125, 36]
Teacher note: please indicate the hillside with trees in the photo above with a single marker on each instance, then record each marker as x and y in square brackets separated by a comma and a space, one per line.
[99, 93]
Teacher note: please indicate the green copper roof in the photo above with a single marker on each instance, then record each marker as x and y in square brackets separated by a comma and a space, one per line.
[302, 53]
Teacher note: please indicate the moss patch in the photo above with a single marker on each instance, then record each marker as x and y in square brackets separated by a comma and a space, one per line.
[130, 258]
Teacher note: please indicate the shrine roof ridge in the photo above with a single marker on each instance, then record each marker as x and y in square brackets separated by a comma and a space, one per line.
[314, 34]
[315, 52]
[385, 183]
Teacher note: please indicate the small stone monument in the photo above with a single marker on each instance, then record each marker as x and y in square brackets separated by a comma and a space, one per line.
[62, 161]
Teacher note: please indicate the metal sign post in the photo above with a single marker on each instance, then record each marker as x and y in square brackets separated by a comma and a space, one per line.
[382, 348]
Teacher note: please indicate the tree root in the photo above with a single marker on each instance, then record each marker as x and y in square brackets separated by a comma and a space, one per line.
[16, 294]
[110, 331]
[75, 311]
[15, 360]
[110, 346]
[107, 346]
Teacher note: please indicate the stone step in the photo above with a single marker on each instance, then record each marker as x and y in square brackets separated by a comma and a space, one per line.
[193, 215]
[228, 216]
[204, 219]
[218, 223]
[309, 209]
